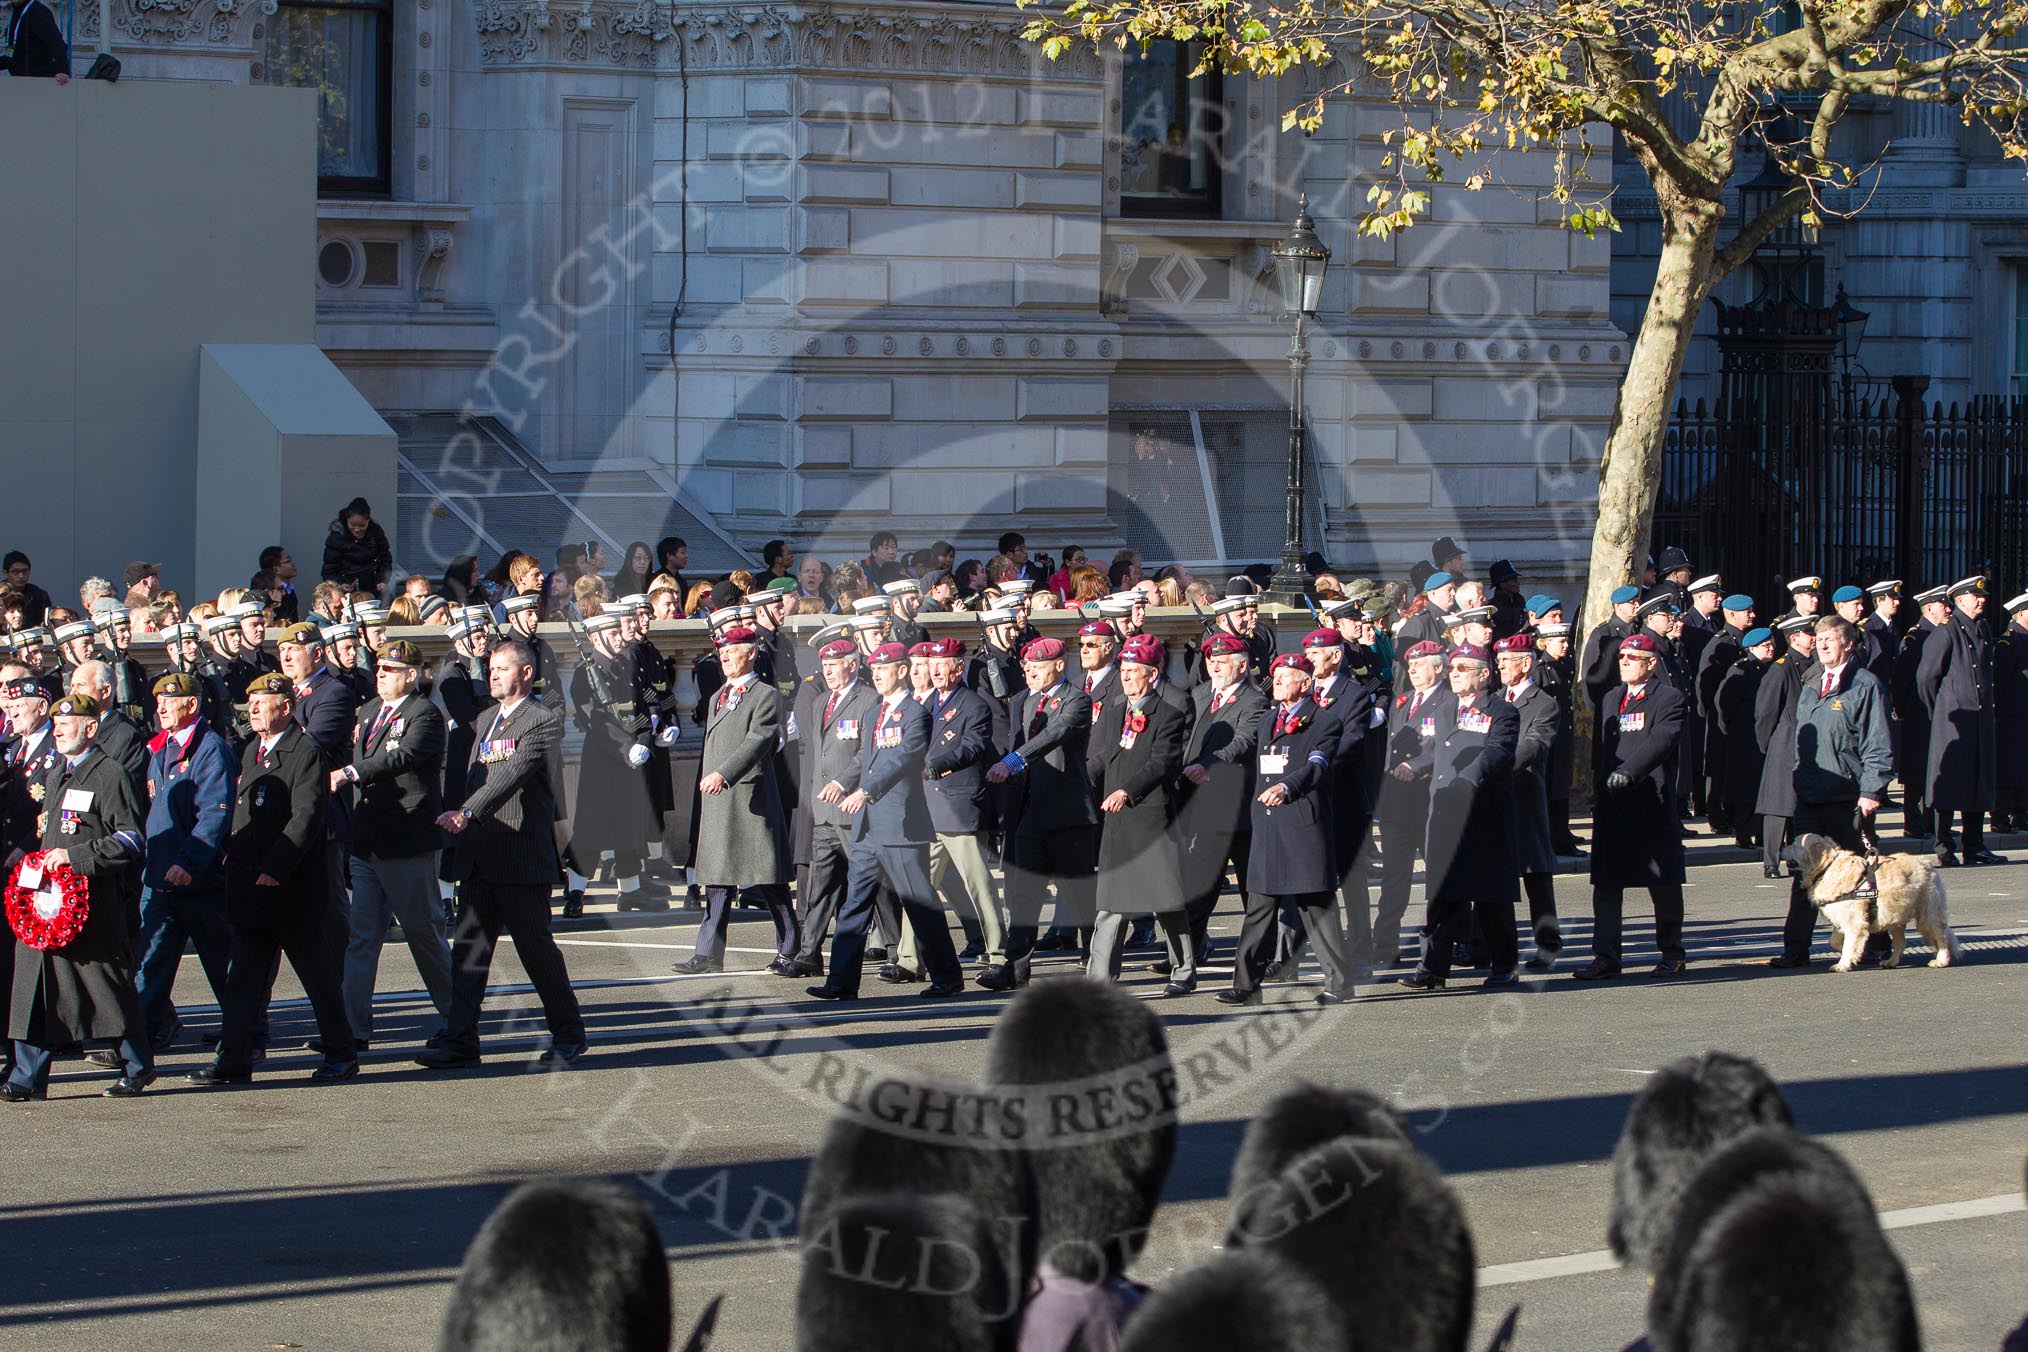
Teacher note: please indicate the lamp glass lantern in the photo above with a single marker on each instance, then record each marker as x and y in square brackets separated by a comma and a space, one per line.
[1300, 261]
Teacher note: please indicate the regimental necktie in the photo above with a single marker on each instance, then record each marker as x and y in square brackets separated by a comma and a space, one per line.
[830, 707]
[380, 723]
[1830, 682]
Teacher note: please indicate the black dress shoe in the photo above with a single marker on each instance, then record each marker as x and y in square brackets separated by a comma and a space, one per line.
[332, 1071]
[1332, 997]
[11, 1092]
[445, 1058]
[562, 1053]
[163, 1041]
[1176, 989]
[1284, 970]
[573, 904]
[1946, 857]
[1985, 857]
[1502, 979]
[827, 991]
[1233, 997]
[215, 1075]
[876, 954]
[105, 1057]
[1598, 969]
[894, 974]
[698, 965]
[1770, 870]
[640, 901]
[1419, 980]
[316, 1044]
[1669, 967]
[998, 979]
[942, 990]
[1787, 962]
[785, 967]
[1160, 967]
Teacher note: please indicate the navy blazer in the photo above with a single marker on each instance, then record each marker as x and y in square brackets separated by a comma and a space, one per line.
[325, 713]
[190, 796]
[896, 810]
[960, 751]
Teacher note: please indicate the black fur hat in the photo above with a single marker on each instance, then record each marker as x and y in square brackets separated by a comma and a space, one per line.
[563, 1264]
[1238, 1302]
[916, 1134]
[1296, 1121]
[1099, 1105]
[1375, 1225]
[1686, 1110]
[904, 1274]
[1776, 1246]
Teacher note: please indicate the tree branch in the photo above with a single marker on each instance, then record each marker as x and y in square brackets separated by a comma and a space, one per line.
[1754, 233]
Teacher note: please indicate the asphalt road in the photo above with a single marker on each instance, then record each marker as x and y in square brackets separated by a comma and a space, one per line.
[285, 1215]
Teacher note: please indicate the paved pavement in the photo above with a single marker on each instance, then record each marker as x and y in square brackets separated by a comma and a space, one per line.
[289, 1215]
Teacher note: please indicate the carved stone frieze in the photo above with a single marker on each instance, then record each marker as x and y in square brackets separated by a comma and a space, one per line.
[643, 34]
[205, 24]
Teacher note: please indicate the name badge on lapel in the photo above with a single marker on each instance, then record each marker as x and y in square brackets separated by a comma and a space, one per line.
[77, 800]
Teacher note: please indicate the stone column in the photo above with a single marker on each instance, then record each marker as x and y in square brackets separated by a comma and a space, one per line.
[1924, 144]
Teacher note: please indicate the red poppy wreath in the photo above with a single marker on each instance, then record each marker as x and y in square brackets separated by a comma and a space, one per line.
[51, 913]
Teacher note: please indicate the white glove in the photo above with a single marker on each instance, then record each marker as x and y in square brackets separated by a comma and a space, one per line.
[637, 755]
[666, 737]
[1378, 718]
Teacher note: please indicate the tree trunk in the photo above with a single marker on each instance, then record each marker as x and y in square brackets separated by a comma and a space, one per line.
[1630, 470]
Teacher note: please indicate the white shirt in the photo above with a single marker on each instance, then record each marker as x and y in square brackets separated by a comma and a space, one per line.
[1515, 692]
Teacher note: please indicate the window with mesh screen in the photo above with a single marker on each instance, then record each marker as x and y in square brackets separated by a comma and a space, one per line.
[1155, 487]
[1248, 452]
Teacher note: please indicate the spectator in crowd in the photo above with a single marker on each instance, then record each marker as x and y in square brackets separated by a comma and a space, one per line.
[415, 586]
[1064, 580]
[637, 569]
[672, 553]
[813, 579]
[698, 600]
[143, 582]
[90, 590]
[461, 585]
[778, 560]
[881, 551]
[970, 576]
[356, 552]
[276, 561]
[38, 48]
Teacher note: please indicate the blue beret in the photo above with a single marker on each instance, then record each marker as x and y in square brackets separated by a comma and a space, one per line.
[1622, 595]
[1541, 603]
[1737, 601]
[1755, 637]
[1844, 594]
[1437, 580]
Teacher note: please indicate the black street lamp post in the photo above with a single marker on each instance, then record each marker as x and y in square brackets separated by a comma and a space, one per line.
[1299, 272]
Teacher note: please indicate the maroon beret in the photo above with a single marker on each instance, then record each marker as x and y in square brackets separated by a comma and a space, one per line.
[1296, 660]
[1516, 643]
[837, 649]
[947, 647]
[922, 649]
[1323, 638]
[887, 654]
[1145, 650]
[1641, 643]
[1222, 644]
[1426, 648]
[1097, 629]
[1042, 650]
[738, 634]
[1471, 652]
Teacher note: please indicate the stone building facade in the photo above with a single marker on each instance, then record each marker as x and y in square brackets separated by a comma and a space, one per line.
[907, 274]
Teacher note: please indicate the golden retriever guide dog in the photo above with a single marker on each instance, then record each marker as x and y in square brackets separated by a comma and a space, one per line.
[1907, 891]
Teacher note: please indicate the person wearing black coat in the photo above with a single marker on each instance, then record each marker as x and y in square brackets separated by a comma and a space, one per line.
[1774, 729]
[1955, 684]
[1294, 856]
[831, 720]
[1468, 853]
[118, 736]
[1404, 795]
[611, 812]
[91, 819]
[1637, 839]
[356, 553]
[1214, 822]
[279, 891]
[1596, 668]
[2010, 704]
[505, 862]
[961, 750]
[1534, 846]
[1911, 719]
[461, 689]
[1732, 711]
[1556, 673]
[397, 772]
[1051, 824]
[1133, 757]
[1721, 649]
[39, 52]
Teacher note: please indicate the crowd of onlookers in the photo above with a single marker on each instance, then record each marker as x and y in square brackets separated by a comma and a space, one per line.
[1008, 1215]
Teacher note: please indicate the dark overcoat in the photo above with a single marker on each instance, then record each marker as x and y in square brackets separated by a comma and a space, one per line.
[1138, 868]
[1293, 853]
[612, 809]
[1732, 709]
[2010, 698]
[1636, 838]
[1911, 716]
[1774, 728]
[279, 819]
[1468, 852]
[1534, 749]
[742, 834]
[1955, 683]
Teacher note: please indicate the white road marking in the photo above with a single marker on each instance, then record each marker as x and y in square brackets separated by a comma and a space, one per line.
[1601, 1260]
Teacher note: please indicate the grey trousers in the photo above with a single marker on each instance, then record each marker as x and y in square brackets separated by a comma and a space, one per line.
[405, 889]
[967, 855]
[1108, 940]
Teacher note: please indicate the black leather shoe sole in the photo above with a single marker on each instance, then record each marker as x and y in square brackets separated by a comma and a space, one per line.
[11, 1092]
[831, 993]
[441, 1059]
[127, 1086]
[897, 976]
[941, 990]
[210, 1076]
[1231, 997]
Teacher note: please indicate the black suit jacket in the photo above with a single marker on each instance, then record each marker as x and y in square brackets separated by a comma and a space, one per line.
[961, 749]
[513, 786]
[1053, 792]
[467, 705]
[39, 50]
[120, 739]
[1223, 744]
[400, 773]
[278, 830]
